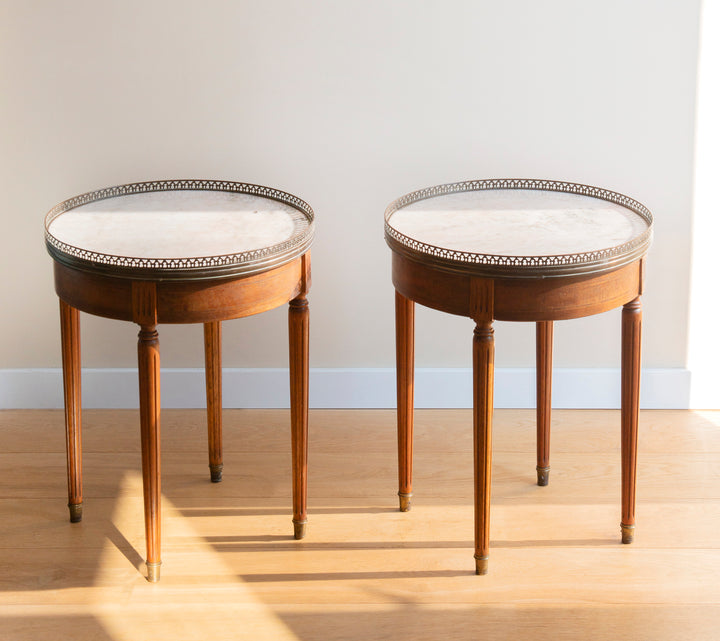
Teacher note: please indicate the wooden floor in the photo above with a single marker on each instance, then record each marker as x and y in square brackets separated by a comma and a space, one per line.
[231, 569]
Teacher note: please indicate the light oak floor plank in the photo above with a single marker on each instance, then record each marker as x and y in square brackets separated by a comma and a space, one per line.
[365, 571]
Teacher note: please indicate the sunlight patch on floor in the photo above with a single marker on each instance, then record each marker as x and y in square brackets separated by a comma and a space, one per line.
[155, 618]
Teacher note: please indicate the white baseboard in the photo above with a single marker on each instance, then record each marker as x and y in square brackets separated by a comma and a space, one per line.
[344, 388]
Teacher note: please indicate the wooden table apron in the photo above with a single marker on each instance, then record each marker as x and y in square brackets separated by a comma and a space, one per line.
[208, 301]
[537, 299]
[184, 301]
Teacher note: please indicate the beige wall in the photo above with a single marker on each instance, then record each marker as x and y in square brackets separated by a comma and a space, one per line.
[348, 104]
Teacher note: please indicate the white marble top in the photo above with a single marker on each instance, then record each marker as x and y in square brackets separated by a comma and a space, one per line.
[179, 229]
[176, 224]
[518, 222]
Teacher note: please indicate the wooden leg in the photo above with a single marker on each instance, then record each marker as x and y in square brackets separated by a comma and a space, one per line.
[213, 389]
[405, 363]
[543, 374]
[70, 339]
[630, 402]
[483, 376]
[149, 377]
[299, 328]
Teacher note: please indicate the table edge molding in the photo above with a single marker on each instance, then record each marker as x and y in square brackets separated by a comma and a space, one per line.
[192, 268]
[520, 266]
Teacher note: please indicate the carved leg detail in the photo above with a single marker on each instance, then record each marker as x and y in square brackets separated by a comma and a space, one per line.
[543, 374]
[405, 362]
[149, 377]
[631, 333]
[483, 376]
[70, 338]
[299, 329]
[213, 389]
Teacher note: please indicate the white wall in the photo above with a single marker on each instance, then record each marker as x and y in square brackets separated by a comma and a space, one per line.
[704, 339]
[348, 104]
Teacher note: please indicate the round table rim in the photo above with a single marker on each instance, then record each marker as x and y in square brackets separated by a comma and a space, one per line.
[542, 266]
[195, 268]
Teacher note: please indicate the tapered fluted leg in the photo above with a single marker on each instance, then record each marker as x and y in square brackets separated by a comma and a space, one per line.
[405, 362]
[70, 338]
[149, 377]
[543, 374]
[483, 377]
[299, 329]
[213, 389]
[630, 402]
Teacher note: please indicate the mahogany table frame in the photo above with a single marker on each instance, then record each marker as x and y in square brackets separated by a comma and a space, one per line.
[209, 301]
[508, 295]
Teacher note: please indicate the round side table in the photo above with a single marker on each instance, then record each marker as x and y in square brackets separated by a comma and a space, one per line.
[517, 250]
[181, 251]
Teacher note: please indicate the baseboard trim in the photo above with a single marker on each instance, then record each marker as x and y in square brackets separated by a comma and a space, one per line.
[345, 388]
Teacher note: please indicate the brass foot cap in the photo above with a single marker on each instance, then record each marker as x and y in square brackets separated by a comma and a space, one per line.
[404, 501]
[481, 565]
[216, 473]
[628, 533]
[300, 529]
[543, 476]
[153, 572]
[75, 512]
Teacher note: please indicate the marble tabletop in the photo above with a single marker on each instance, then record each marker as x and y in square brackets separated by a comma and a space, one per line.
[180, 228]
[519, 227]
